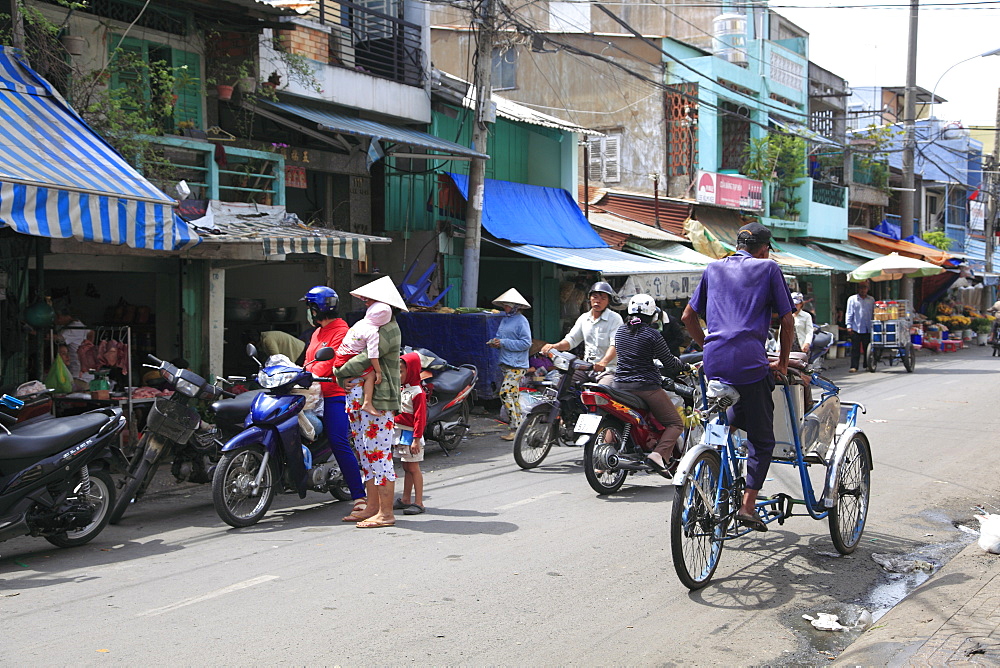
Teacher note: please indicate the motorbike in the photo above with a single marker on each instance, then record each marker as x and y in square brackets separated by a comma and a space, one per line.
[551, 420]
[269, 455]
[172, 426]
[822, 340]
[55, 474]
[449, 398]
[618, 431]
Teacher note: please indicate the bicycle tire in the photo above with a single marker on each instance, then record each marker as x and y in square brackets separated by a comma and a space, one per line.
[604, 478]
[872, 358]
[696, 531]
[850, 511]
[533, 440]
[909, 359]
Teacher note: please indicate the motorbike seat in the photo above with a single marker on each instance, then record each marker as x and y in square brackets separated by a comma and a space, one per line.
[691, 358]
[235, 409]
[451, 381]
[49, 437]
[618, 395]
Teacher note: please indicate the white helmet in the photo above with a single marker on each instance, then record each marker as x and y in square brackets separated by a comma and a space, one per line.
[642, 304]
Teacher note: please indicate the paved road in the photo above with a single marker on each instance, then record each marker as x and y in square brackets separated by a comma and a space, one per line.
[507, 566]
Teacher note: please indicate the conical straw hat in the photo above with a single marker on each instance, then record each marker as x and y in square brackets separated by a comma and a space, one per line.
[512, 297]
[382, 290]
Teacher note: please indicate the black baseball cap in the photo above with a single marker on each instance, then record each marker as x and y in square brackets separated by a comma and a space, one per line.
[754, 233]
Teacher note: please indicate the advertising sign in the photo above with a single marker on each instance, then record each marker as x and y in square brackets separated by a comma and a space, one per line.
[729, 190]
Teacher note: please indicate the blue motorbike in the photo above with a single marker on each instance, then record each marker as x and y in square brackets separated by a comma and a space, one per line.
[269, 455]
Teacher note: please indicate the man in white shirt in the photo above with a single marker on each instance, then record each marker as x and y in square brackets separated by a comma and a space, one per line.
[596, 330]
[803, 323]
[860, 311]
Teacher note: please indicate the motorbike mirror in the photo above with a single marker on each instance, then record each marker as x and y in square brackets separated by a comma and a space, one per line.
[251, 350]
[324, 354]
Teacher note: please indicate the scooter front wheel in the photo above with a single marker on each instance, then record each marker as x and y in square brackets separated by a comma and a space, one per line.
[237, 501]
[533, 440]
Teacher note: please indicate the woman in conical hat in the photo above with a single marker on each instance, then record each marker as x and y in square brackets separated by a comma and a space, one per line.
[513, 339]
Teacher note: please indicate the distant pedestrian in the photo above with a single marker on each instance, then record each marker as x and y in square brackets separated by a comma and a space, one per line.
[513, 339]
[412, 417]
[860, 311]
[803, 323]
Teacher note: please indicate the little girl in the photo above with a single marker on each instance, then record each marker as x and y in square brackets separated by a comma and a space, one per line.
[363, 337]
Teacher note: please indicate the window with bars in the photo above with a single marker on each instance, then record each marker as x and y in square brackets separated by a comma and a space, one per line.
[504, 69]
[734, 130]
[605, 158]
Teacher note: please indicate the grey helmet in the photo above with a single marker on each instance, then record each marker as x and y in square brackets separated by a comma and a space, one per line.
[603, 286]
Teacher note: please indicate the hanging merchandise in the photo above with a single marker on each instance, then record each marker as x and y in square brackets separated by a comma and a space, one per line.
[59, 378]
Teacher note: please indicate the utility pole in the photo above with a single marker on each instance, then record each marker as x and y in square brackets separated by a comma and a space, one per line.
[477, 169]
[908, 194]
[989, 222]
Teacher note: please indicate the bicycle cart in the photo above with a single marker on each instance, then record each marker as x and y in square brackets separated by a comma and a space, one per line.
[891, 341]
[710, 478]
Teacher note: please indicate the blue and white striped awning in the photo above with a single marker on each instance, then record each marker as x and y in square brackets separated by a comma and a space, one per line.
[59, 179]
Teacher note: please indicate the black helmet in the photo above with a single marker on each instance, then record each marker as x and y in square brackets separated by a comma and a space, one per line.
[602, 286]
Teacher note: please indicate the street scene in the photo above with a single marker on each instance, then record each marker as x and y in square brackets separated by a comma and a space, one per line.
[556, 333]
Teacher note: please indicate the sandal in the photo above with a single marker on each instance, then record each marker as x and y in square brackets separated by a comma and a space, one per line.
[752, 521]
[413, 509]
[398, 504]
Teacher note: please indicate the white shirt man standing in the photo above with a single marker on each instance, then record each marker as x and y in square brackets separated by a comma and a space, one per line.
[596, 330]
[860, 311]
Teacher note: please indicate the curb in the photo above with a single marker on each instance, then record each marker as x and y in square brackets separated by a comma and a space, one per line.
[954, 617]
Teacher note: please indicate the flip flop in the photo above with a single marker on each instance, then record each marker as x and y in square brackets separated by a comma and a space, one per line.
[398, 504]
[752, 521]
[353, 518]
[413, 509]
[373, 524]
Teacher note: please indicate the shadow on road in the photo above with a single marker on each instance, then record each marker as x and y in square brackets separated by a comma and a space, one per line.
[458, 527]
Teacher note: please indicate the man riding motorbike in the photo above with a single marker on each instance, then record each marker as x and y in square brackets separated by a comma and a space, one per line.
[637, 344]
[596, 330]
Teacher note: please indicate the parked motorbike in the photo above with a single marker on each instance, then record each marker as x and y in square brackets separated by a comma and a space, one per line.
[55, 479]
[269, 456]
[553, 418]
[822, 340]
[449, 399]
[618, 431]
[171, 427]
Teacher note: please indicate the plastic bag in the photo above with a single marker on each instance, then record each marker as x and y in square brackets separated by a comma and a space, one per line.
[59, 378]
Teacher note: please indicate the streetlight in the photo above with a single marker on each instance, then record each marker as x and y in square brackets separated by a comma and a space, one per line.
[993, 52]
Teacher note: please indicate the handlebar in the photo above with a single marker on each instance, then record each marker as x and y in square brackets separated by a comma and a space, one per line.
[154, 359]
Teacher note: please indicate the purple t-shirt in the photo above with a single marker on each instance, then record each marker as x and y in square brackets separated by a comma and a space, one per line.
[736, 297]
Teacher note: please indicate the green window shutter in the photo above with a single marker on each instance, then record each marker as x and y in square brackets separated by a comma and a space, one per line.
[131, 79]
[187, 74]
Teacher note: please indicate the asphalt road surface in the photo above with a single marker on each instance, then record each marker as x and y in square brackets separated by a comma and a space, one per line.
[509, 566]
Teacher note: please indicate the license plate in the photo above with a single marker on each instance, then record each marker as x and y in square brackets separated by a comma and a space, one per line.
[587, 423]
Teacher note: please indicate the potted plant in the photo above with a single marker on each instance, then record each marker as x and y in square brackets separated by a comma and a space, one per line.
[74, 44]
[225, 76]
[982, 327]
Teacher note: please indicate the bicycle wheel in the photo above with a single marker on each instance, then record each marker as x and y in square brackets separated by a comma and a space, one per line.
[697, 522]
[847, 517]
[533, 440]
[909, 358]
[599, 457]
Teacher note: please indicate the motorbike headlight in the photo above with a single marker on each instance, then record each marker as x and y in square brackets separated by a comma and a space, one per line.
[268, 381]
[560, 362]
[188, 389]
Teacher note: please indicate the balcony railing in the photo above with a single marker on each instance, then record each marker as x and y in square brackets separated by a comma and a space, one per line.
[831, 195]
[873, 174]
[371, 41]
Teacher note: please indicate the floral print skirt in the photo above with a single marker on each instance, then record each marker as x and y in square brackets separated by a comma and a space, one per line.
[510, 394]
[372, 437]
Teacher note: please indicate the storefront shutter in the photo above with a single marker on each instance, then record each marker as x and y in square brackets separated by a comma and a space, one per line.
[187, 86]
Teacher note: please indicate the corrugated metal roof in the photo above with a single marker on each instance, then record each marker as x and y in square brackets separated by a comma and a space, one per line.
[867, 238]
[607, 261]
[850, 249]
[837, 264]
[643, 209]
[610, 221]
[277, 232]
[670, 251]
[280, 7]
[332, 122]
[513, 111]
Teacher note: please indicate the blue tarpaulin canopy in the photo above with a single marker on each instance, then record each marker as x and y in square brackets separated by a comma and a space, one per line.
[533, 215]
[59, 179]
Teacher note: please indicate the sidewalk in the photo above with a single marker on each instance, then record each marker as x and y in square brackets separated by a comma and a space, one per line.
[952, 619]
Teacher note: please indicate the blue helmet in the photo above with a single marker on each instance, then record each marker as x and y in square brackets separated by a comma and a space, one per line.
[320, 300]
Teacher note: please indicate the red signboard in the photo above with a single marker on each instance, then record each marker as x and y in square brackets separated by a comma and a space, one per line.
[295, 177]
[735, 192]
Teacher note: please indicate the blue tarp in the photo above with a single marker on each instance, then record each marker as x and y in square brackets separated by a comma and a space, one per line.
[887, 229]
[536, 215]
[914, 239]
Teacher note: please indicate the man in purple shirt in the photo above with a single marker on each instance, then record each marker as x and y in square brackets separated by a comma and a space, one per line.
[737, 296]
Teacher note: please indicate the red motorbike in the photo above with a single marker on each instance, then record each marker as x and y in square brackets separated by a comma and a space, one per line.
[618, 431]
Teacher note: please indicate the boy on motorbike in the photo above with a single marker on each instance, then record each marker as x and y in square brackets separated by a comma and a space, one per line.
[637, 344]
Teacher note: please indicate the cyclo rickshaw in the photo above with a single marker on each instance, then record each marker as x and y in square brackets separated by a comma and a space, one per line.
[890, 332]
[709, 482]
